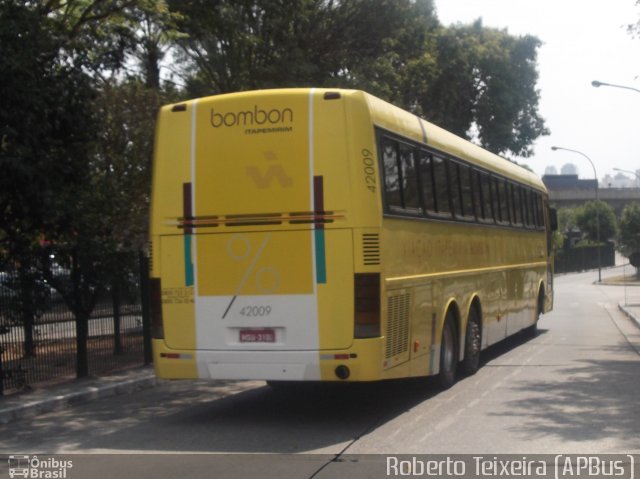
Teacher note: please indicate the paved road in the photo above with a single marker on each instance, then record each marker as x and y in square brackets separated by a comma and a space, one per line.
[573, 389]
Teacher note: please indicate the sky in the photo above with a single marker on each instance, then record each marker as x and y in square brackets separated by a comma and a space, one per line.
[582, 40]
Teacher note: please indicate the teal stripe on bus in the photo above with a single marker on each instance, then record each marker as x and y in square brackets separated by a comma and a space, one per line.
[188, 261]
[321, 263]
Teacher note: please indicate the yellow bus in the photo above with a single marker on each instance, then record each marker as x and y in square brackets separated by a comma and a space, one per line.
[326, 235]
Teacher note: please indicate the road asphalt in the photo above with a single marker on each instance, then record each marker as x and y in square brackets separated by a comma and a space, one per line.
[59, 396]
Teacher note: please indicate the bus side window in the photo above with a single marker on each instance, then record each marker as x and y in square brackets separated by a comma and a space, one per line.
[510, 205]
[427, 182]
[497, 199]
[528, 215]
[455, 189]
[393, 195]
[466, 191]
[540, 209]
[477, 194]
[533, 218]
[502, 202]
[410, 198]
[517, 204]
[441, 184]
[505, 204]
[485, 183]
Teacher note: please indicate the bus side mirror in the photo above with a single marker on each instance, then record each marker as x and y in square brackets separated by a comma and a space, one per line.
[553, 219]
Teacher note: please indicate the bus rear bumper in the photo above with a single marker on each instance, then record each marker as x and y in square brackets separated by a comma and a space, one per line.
[362, 362]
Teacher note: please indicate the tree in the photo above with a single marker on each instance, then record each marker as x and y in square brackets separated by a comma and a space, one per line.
[231, 45]
[629, 243]
[486, 81]
[42, 150]
[634, 28]
[567, 219]
[588, 216]
[566, 225]
[68, 172]
[475, 81]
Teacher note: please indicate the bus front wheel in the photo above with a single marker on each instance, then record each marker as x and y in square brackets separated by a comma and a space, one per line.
[532, 331]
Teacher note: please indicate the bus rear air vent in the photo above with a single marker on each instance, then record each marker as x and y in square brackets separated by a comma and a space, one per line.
[371, 249]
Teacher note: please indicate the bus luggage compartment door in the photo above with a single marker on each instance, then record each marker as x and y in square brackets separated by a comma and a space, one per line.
[268, 290]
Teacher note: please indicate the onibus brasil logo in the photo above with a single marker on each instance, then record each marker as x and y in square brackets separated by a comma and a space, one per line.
[33, 467]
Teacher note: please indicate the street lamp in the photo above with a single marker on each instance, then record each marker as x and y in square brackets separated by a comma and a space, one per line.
[598, 84]
[595, 175]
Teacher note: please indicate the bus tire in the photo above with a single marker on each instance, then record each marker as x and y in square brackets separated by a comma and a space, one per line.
[472, 344]
[532, 331]
[448, 354]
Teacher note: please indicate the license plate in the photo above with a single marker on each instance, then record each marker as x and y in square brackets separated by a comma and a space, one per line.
[266, 335]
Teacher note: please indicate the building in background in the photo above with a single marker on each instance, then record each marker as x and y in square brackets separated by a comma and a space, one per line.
[620, 180]
[568, 190]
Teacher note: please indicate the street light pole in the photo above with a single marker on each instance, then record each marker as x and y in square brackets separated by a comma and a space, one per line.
[595, 175]
[598, 84]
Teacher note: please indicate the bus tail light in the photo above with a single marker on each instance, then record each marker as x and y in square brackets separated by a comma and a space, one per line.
[367, 305]
[155, 293]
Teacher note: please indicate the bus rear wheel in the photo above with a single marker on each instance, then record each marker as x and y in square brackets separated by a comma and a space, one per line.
[448, 354]
[472, 344]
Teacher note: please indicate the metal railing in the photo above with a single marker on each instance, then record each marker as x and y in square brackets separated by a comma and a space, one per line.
[39, 330]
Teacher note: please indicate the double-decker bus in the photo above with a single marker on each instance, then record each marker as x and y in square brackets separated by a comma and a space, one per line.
[326, 235]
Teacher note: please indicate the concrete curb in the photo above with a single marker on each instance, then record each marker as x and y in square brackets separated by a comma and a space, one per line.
[629, 314]
[73, 395]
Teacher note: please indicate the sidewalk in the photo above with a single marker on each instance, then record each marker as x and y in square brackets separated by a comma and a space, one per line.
[633, 312]
[43, 400]
[631, 308]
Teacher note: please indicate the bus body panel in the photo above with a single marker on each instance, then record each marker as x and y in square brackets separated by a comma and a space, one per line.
[266, 205]
[242, 247]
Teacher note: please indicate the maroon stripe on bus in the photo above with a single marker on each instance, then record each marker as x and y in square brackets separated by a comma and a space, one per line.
[187, 212]
[318, 198]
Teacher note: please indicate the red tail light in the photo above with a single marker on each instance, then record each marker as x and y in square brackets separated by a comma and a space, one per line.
[155, 291]
[367, 305]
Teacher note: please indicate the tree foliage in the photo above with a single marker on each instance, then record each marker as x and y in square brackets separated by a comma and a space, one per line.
[629, 241]
[475, 81]
[42, 150]
[485, 79]
[597, 220]
[567, 219]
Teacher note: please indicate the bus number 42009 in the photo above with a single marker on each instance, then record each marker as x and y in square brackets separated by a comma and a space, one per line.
[255, 311]
[368, 170]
